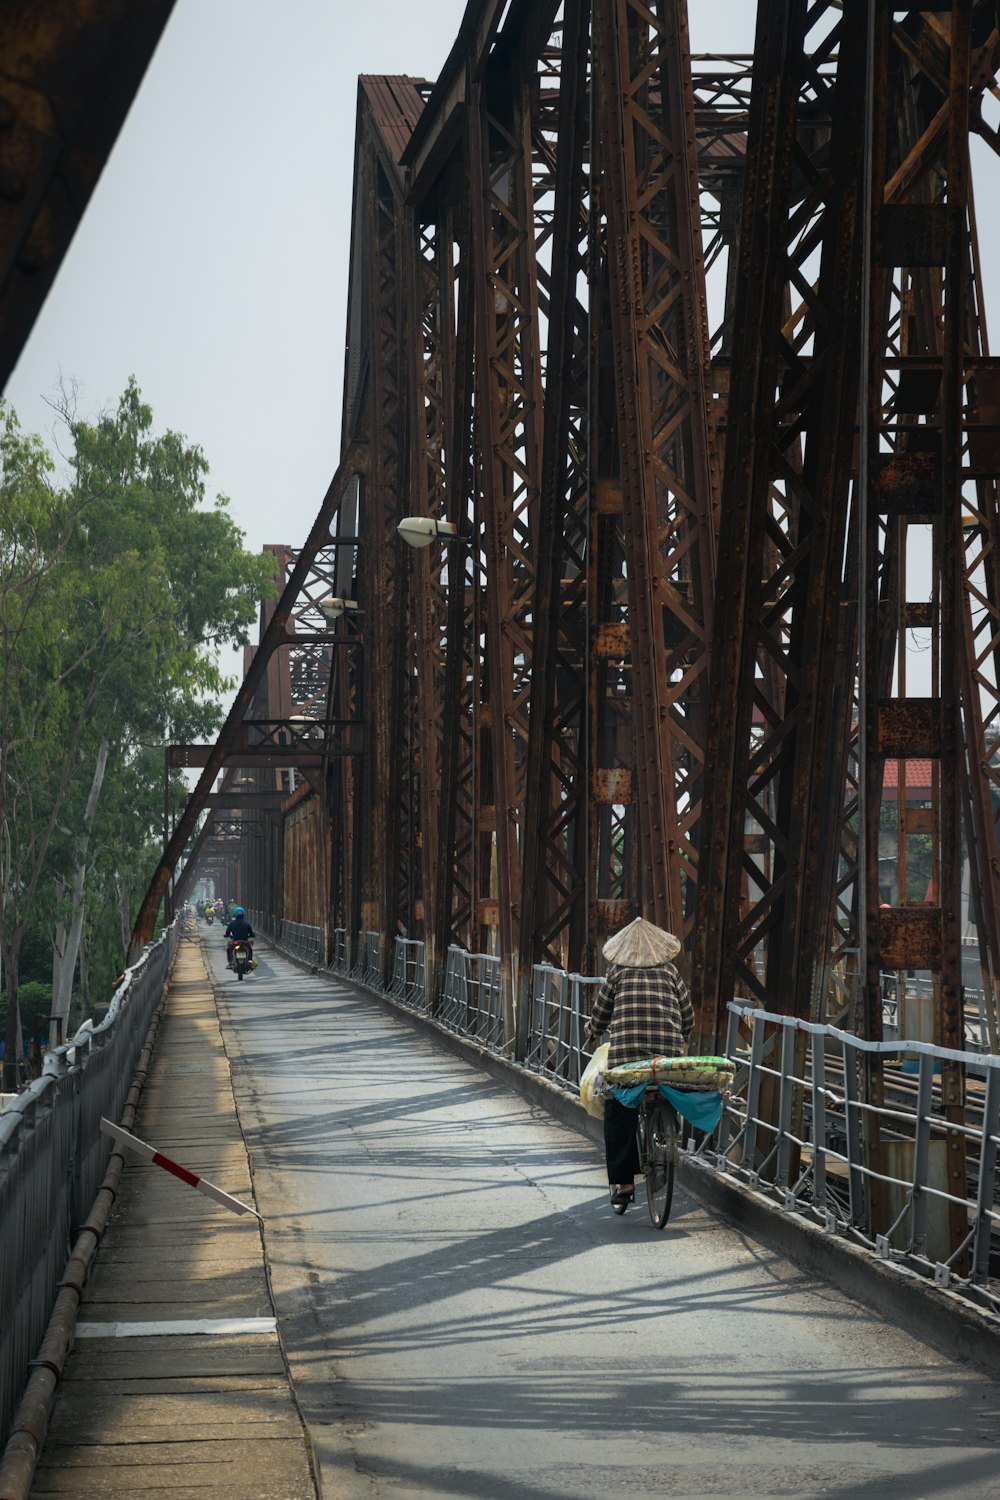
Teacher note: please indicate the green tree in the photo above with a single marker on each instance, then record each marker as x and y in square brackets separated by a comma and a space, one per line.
[114, 594]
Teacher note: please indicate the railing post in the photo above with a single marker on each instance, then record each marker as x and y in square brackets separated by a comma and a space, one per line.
[818, 1071]
[855, 1176]
[753, 1095]
[921, 1154]
[987, 1184]
[785, 1100]
[576, 1028]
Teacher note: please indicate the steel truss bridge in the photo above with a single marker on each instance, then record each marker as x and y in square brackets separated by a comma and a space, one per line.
[687, 356]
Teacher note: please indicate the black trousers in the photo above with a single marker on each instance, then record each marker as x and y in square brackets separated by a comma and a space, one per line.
[619, 1141]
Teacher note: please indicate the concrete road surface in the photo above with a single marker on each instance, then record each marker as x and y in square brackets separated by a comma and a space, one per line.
[465, 1317]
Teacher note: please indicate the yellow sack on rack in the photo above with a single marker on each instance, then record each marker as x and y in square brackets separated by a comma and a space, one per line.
[594, 1104]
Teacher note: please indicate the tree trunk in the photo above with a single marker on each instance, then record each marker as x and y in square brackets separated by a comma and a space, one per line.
[124, 913]
[13, 1041]
[59, 937]
[63, 993]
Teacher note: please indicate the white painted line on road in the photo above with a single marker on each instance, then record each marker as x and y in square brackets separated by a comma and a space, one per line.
[175, 1326]
[150, 1153]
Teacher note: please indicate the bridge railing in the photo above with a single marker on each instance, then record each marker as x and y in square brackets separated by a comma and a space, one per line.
[262, 924]
[53, 1158]
[471, 1001]
[302, 941]
[341, 951]
[367, 967]
[817, 1160]
[559, 1004]
[408, 982]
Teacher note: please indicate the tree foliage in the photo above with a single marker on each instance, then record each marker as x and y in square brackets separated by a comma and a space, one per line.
[116, 588]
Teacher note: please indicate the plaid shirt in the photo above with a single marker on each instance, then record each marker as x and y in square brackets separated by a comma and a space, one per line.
[648, 1010]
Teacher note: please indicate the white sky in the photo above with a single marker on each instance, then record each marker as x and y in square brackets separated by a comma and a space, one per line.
[212, 260]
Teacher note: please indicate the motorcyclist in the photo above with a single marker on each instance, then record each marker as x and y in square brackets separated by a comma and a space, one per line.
[238, 931]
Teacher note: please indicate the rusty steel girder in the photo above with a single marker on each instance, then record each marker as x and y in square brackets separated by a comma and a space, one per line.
[485, 269]
[657, 669]
[659, 335]
[775, 769]
[279, 725]
[859, 310]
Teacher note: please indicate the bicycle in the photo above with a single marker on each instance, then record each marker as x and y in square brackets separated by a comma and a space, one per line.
[656, 1136]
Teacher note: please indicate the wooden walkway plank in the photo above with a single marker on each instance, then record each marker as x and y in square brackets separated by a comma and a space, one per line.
[210, 1416]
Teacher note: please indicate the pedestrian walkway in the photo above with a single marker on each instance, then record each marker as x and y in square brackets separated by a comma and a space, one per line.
[177, 1386]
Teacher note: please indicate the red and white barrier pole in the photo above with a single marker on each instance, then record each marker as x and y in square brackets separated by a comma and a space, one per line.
[149, 1153]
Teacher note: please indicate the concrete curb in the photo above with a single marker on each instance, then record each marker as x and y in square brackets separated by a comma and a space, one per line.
[941, 1318]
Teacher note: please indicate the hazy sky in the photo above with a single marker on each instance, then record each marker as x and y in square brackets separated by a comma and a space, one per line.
[212, 260]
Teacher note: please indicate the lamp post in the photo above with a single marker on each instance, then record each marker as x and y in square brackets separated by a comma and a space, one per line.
[420, 531]
[333, 607]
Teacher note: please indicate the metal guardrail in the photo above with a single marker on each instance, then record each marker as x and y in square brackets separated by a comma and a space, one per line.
[819, 1168]
[53, 1158]
[301, 941]
[341, 954]
[262, 924]
[408, 983]
[471, 1002]
[559, 1003]
[367, 967]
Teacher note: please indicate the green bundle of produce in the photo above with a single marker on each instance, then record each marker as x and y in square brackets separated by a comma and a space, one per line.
[703, 1072]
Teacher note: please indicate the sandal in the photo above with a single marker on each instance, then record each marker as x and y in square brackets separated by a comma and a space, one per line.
[622, 1195]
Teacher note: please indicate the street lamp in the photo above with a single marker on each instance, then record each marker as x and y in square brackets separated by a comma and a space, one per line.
[420, 531]
[333, 607]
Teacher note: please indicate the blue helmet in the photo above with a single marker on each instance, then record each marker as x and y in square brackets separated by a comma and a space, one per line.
[239, 912]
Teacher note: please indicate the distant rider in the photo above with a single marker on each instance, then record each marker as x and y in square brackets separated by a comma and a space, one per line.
[238, 931]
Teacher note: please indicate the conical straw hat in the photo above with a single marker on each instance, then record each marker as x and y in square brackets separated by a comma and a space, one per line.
[640, 945]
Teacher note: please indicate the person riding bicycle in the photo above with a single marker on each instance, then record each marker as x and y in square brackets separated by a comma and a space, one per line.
[645, 1008]
[238, 931]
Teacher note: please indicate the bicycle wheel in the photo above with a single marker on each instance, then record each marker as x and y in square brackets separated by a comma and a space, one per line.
[658, 1160]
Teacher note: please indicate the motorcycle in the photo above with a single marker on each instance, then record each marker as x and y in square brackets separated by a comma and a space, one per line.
[209, 915]
[242, 959]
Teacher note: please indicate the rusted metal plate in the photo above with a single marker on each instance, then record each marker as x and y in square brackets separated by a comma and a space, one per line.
[909, 484]
[488, 912]
[918, 389]
[607, 497]
[613, 784]
[613, 915]
[918, 616]
[920, 820]
[612, 639]
[984, 446]
[909, 727]
[910, 937]
[912, 234]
